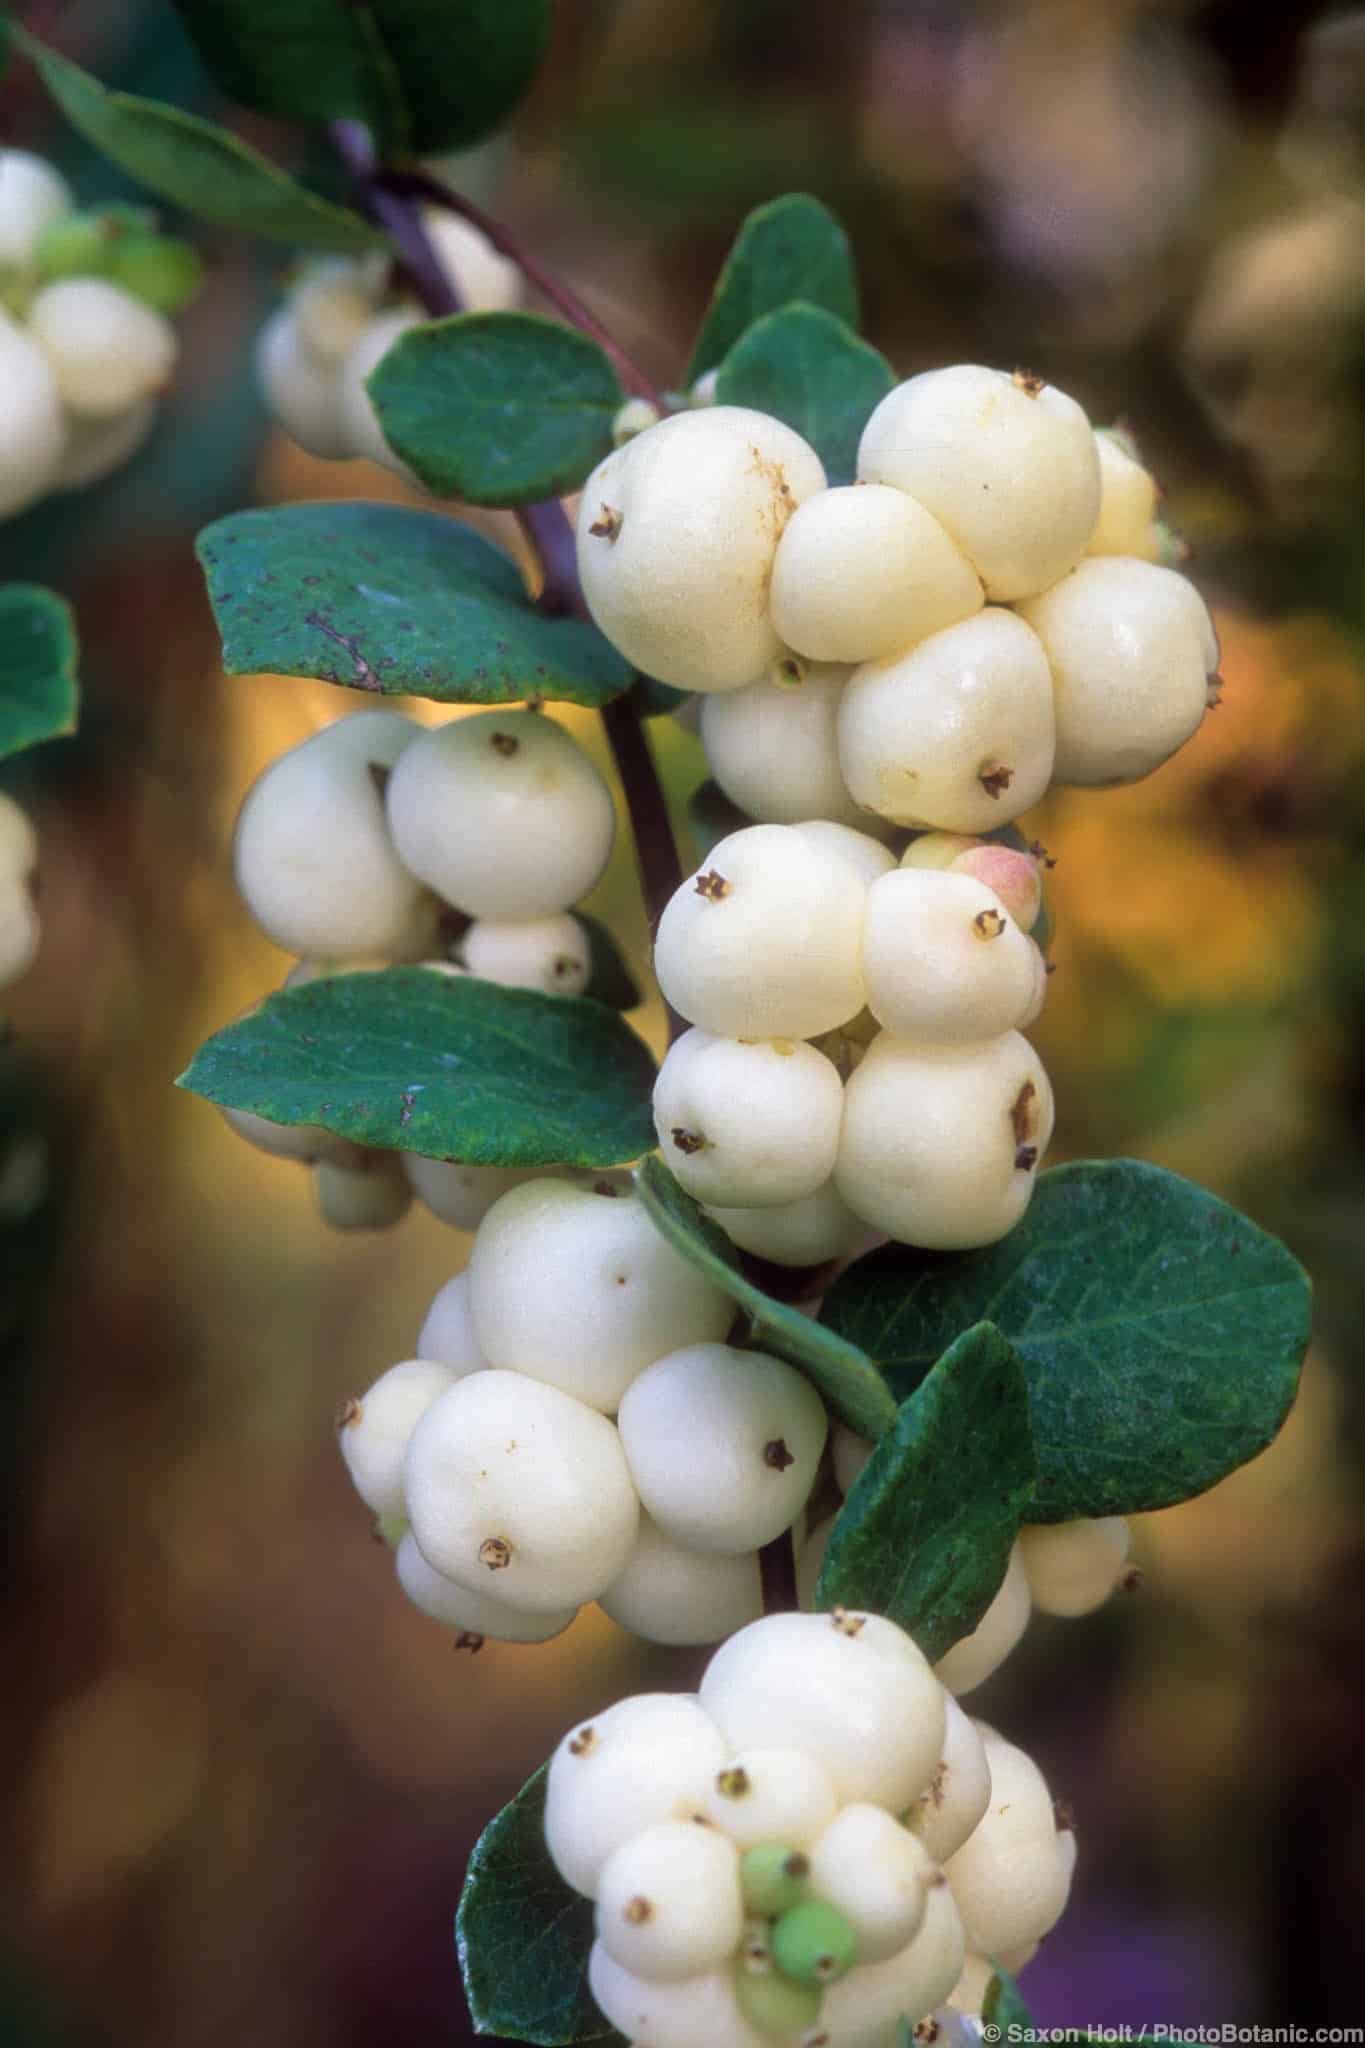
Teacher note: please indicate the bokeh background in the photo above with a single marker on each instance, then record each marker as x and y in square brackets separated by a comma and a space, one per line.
[244, 1775]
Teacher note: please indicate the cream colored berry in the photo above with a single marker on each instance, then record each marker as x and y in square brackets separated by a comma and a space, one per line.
[669, 1593]
[748, 1122]
[18, 842]
[1132, 649]
[33, 195]
[1127, 524]
[314, 861]
[373, 1431]
[766, 940]
[851, 1453]
[307, 1142]
[971, 1661]
[633, 418]
[459, 1194]
[1011, 1876]
[649, 1758]
[1073, 1567]
[332, 305]
[108, 350]
[958, 733]
[771, 746]
[516, 1490]
[365, 1190]
[681, 2014]
[33, 430]
[302, 395]
[877, 1874]
[941, 1144]
[503, 814]
[722, 1445]
[95, 448]
[864, 571]
[938, 849]
[850, 1688]
[861, 847]
[1015, 877]
[866, 2008]
[803, 1233]
[1007, 464]
[771, 1794]
[943, 961]
[547, 953]
[577, 1288]
[360, 428]
[677, 532]
[20, 931]
[485, 281]
[959, 1792]
[668, 1901]
[447, 1334]
[472, 1614]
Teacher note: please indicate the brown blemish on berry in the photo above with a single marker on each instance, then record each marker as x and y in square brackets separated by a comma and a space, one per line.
[1026, 1158]
[1030, 383]
[777, 1456]
[936, 1880]
[608, 524]
[797, 1866]
[1023, 1113]
[1064, 1814]
[1041, 854]
[637, 1911]
[564, 965]
[496, 1553]
[687, 1141]
[1131, 1580]
[935, 1793]
[845, 1623]
[585, 1742]
[734, 1783]
[1214, 692]
[469, 1639]
[995, 781]
[789, 673]
[604, 1187]
[928, 2030]
[349, 1413]
[988, 924]
[712, 885]
[504, 743]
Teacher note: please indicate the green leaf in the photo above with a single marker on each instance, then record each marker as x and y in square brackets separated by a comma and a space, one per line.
[38, 691]
[711, 816]
[523, 1936]
[809, 369]
[610, 980]
[426, 75]
[1004, 2006]
[452, 1068]
[200, 167]
[395, 601]
[793, 248]
[656, 699]
[1160, 1331]
[926, 1532]
[497, 408]
[850, 1382]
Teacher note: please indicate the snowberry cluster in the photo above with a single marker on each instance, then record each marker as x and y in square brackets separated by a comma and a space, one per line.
[379, 840]
[19, 928]
[815, 1848]
[342, 315]
[980, 615]
[85, 342]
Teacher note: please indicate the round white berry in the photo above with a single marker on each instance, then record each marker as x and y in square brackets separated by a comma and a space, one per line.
[447, 1335]
[668, 1902]
[1015, 877]
[32, 425]
[1132, 649]
[365, 1190]
[859, 847]
[515, 1490]
[803, 1233]
[20, 931]
[548, 953]
[748, 1122]
[865, 2009]
[670, 1594]
[852, 1689]
[1073, 1567]
[633, 418]
[957, 733]
[1127, 524]
[485, 281]
[671, 2015]
[876, 1873]
[95, 448]
[772, 1794]
[332, 304]
[766, 940]
[469, 1613]
[108, 350]
[32, 197]
[460, 1195]
[314, 861]
[941, 1144]
[754, 1430]
[1007, 464]
[971, 1661]
[373, 1431]
[503, 814]
[677, 532]
[360, 428]
[308, 1142]
[647, 1759]
[771, 745]
[579, 1289]
[958, 1793]
[18, 842]
[1011, 1876]
[943, 961]
[302, 395]
[863, 571]
[851, 1453]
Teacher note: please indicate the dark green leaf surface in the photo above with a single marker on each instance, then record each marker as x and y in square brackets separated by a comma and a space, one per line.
[424, 74]
[925, 1534]
[453, 1068]
[809, 369]
[610, 980]
[793, 248]
[38, 691]
[497, 408]
[523, 1936]
[1160, 1331]
[197, 165]
[850, 1382]
[394, 601]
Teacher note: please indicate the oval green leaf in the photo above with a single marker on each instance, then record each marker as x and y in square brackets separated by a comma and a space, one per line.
[811, 371]
[792, 248]
[38, 691]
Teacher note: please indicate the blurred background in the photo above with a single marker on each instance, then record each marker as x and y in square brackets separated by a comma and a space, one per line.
[245, 1774]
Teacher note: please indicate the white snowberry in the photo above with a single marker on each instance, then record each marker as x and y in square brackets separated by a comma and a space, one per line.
[548, 953]
[32, 197]
[971, 1661]
[459, 1194]
[958, 732]
[748, 1122]
[1016, 878]
[364, 1190]
[1133, 650]
[32, 424]
[941, 1144]
[1011, 1876]
[308, 1142]
[95, 448]
[771, 746]
[877, 1874]
[1007, 464]
[860, 847]
[866, 2008]
[302, 395]
[314, 861]
[485, 281]
[108, 350]
[516, 1490]
[579, 1289]
[943, 961]
[1127, 524]
[803, 1233]
[671, 1594]
[447, 1334]
[851, 1688]
[722, 1445]
[864, 571]
[20, 931]
[332, 304]
[677, 532]
[360, 426]
[472, 1614]
[670, 2015]
[668, 1901]
[503, 814]
[1073, 1567]
[373, 1431]
[851, 1453]
[766, 940]
[647, 1759]
[959, 1792]
[772, 1794]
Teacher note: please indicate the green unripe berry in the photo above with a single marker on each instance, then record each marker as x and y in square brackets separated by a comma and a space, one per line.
[161, 271]
[777, 2005]
[74, 247]
[814, 1944]
[773, 1878]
